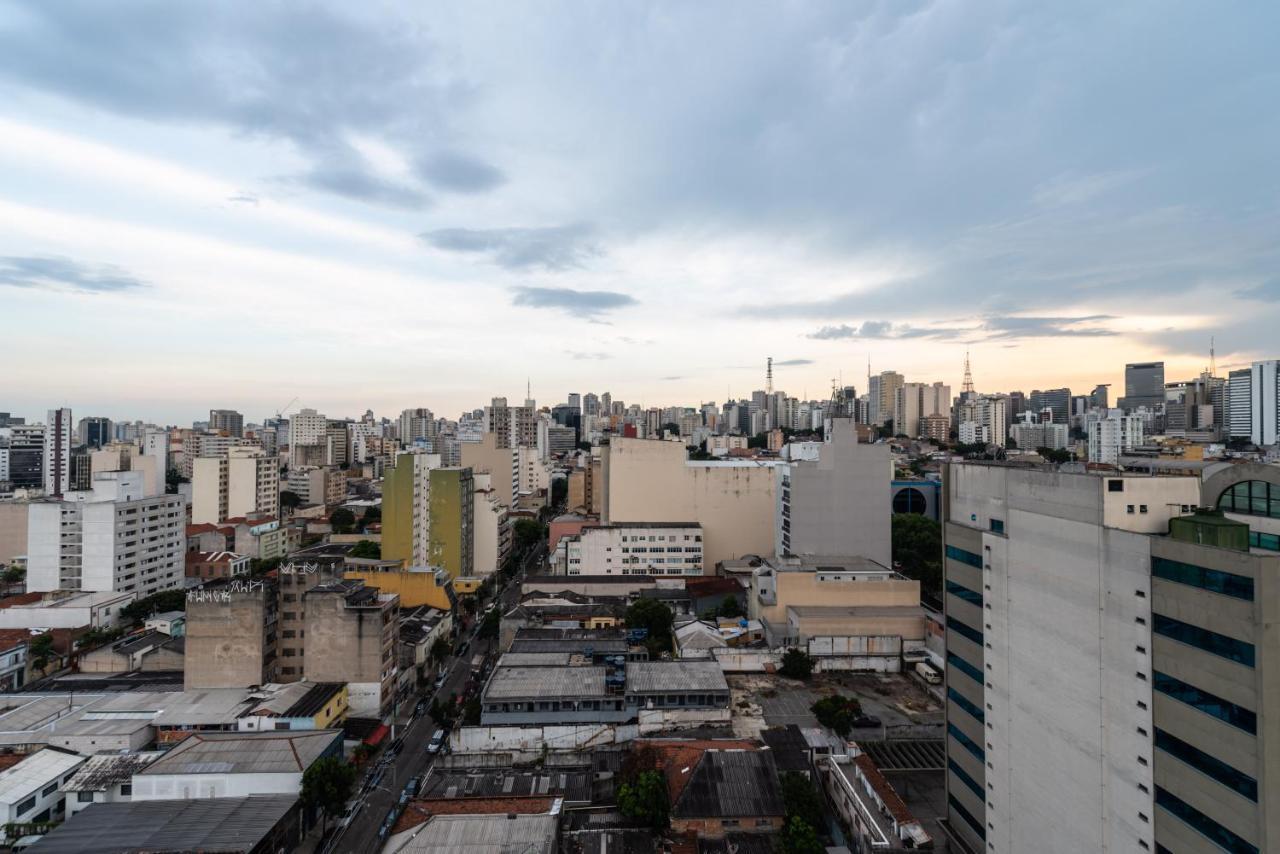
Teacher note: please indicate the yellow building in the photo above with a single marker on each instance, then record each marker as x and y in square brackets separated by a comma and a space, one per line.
[418, 585]
[406, 508]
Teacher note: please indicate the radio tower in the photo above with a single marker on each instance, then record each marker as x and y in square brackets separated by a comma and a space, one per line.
[967, 388]
[768, 377]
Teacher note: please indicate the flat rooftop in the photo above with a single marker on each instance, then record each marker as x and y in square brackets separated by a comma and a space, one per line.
[245, 753]
[856, 610]
[515, 683]
[659, 677]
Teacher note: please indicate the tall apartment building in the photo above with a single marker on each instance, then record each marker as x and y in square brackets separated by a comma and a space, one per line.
[633, 548]
[1109, 664]
[836, 504]
[317, 485]
[1057, 400]
[523, 431]
[232, 630]
[416, 424]
[1029, 435]
[492, 528]
[94, 432]
[984, 419]
[497, 420]
[451, 534]
[242, 482]
[1112, 434]
[914, 401]
[553, 440]
[1253, 403]
[113, 538]
[406, 508]
[226, 421]
[155, 444]
[883, 391]
[26, 455]
[58, 433]
[351, 637]
[1143, 386]
[309, 438]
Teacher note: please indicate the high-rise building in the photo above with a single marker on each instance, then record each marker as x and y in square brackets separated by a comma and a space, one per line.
[1099, 397]
[590, 405]
[1056, 399]
[232, 630]
[416, 424]
[226, 421]
[58, 433]
[1112, 434]
[1240, 403]
[451, 540]
[351, 632]
[523, 431]
[94, 432]
[1264, 403]
[884, 394]
[915, 401]
[244, 481]
[113, 538]
[983, 419]
[575, 401]
[497, 420]
[1143, 386]
[406, 508]
[1117, 636]
[26, 455]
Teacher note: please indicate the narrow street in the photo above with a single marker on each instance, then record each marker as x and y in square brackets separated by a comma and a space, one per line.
[379, 789]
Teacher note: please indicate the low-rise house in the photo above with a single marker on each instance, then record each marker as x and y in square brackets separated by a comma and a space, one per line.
[231, 765]
[172, 623]
[206, 566]
[29, 790]
[298, 706]
[103, 779]
[420, 628]
[261, 824]
[729, 791]
[868, 804]
[565, 609]
[13, 658]
[145, 651]
[61, 609]
[594, 645]
[501, 831]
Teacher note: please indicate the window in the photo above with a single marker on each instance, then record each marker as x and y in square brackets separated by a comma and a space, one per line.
[964, 557]
[1237, 716]
[1259, 540]
[1253, 498]
[968, 819]
[963, 630]
[965, 778]
[84, 797]
[964, 703]
[1221, 645]
[1213, 580]
[1216, 833]
[966, 742]
[1142, 508]
[964, 593]
[997, 526]
[909, 500]
[964, 667]
[1115, 486]
[1129, 509]
[1208, 765]
[25, 807]
[126, 790]
[49, 789]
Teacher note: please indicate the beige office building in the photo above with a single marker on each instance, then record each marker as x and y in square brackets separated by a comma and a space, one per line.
[242, 482]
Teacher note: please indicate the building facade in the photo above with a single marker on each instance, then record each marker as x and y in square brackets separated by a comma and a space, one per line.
[243, 481]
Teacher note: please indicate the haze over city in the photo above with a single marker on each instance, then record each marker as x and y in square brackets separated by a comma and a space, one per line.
[384, 207]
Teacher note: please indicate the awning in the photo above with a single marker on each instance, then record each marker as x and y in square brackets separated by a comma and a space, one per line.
[378, 735]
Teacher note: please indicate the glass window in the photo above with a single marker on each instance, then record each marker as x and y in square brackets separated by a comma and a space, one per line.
[84, 797]
[964, 593]
[964, 556]
[1216, 833]
[966, 779]
[49, 789]
[963, 702]
[1208, 765]
[1213, 580]
[997, 526]
[968, 743]
[974, 825]
[1227, 647]
[1252, 497]
[1259, 540]
[1237, 716]
[964, 667]
[26, 806]
[963, 630]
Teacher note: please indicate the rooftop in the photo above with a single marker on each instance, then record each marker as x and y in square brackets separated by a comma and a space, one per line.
[528, 682]
[36, 771]
[246, 753]
[225, 825]
[100, 773]
[656, 677]
[478, 834]
[731, 783]
[857, 610]
[789, 747]
[421, 810]
[213, 557]
[573, 784]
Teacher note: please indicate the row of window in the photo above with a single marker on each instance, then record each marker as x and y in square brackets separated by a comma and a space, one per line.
[1208, 765]
[1259, 540]
[1252, 497]
[964, 593]
[963, 630]
[965, 703]
[1209, 641]
[966, 742]
[964, 557]
[1213, 580]
[1219, 835]
[1237, 716]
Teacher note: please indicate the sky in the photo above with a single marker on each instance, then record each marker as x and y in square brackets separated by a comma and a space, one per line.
[385, 205]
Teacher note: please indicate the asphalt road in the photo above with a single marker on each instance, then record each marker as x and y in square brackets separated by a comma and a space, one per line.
[378, 792]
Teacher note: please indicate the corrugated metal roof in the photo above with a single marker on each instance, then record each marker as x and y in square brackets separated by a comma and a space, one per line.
[245, 753]
[730, 784]
[35, 772]
[658, 677]
[492, 834]
[100, 773]
[512, 683]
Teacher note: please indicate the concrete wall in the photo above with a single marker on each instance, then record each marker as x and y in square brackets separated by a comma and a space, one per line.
[650, 481]
[160, 787]
[486, 456]
[13, 530]
[225, 641]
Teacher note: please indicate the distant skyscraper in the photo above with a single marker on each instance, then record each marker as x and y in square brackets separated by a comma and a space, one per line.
[1100, 398]
[57, 451]
[1264, 403]
[1239, 410]
[94, 432]
[1143, 385]
[575, 402]
[226, 421]
[1058, 400]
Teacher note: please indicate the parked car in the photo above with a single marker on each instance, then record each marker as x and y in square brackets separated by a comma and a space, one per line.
[420, 709]
[440, 680]
[866, 721]
[436, 742]
[412, 786]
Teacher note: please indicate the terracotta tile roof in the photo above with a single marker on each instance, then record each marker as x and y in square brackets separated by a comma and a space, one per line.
[892, 801]
[678, 759]
[419, 810]
[21, 599]
[8, 760]
[9, 638]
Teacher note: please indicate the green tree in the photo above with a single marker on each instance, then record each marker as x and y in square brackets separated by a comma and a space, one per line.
[41, 650]
[366, 549]
[796, 664]
[327, 785]
[837, 713]
[14, 574]
[440, 650]
[342, 520]
[172, 478]
[917, 547]
[559, 492]
[372, 514]
[759, 440]
[526, 534]
[471, 712]
[289, 500]
[655, 616]
[799, 837]
[801, 799]
[156, 603]
[730, 607]
[1055, 456]
[645, 799]
[490, 625]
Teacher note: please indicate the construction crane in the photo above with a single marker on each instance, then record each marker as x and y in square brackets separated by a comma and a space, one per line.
[280, 412]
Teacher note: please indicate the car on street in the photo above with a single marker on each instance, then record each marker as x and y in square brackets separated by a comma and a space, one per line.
[866, 721]
[420, 709]
[441, 679]
[436, 742]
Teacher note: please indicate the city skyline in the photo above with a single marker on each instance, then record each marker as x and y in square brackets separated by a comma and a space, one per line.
[637, 199]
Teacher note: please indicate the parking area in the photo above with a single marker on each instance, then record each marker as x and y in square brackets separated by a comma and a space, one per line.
[901, 703]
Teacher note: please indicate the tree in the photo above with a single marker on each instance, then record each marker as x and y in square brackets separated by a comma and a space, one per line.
[1054, 455]
[327, 785]
[584, 446]
[801, 799]
[799, 837]
[656, 617]
[917, 547]
[156, 603]
[41, 650]
[366, 549]
[172, 478]
[289, 500]
[471, 712]
[837, 713]
[342, 520]
[525, 535]
[491, 624]
[469, 605]
[440, 650]
[645, 799]
[371, 514]
[14, 574]
[759, 440]
[730, 607]
[796, 664]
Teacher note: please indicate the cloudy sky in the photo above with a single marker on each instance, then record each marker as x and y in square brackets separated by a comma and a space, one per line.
[376, 205]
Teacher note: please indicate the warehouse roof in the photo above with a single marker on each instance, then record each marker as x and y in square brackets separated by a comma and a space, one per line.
[731, 783]
[246, 753]
[657, 677]
[473, 834]
[530, 682]
[36, 771]
[102, 772]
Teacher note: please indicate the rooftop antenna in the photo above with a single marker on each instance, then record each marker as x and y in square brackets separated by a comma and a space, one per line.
[968, 376]
[768, 376]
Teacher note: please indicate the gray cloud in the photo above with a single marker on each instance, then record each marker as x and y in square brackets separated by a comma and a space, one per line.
[587, 303]
[883, 329]
[598, 357]
[986, 328]
[63, 274]
[788, 363]
[347, 177]
[550, 248]
[459, 173]
[1268, 291]
[1047, 327]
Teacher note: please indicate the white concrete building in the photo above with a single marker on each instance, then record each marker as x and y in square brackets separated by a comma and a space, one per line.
[634, 548]
[553, 439]
[241, 482]
[57, 451]
[111, 538]
[235, 764]
[983, 419]
[1029, 435]
[416, 424]
[29, 791]
[1112, 434]
[106, 779]
[491, 529]
[67, 611]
